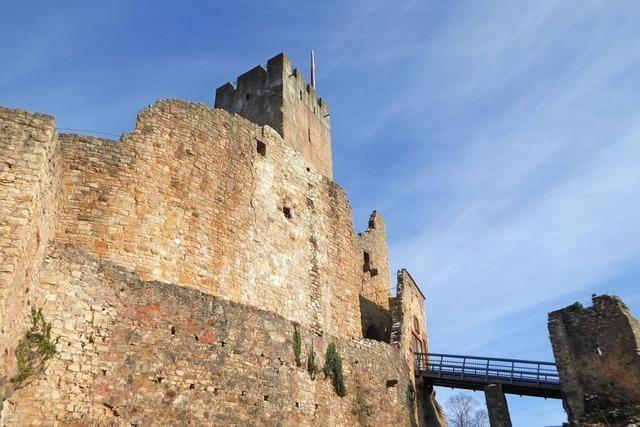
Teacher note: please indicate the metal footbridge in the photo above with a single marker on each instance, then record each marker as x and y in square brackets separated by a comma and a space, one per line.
[521, 377]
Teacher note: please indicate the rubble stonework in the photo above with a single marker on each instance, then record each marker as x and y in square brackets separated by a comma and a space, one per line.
[376, 280]
[174, 264]
[187, 198]
[409, 335]
[408, 330]
[29, 191]
[497, 407]
[144, 352]
[597, 352]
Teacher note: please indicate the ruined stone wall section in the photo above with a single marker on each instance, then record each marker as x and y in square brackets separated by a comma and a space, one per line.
[409, 327]
[29, 169]
[376, 280]
[597, 352]
[278, 96]
[199, 198]
[408, 318]
[143, 353]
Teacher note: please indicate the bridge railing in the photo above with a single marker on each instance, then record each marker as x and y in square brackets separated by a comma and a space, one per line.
[486, 369]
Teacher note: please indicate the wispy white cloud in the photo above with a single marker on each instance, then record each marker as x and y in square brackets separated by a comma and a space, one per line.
[518, 185]
[501, 140]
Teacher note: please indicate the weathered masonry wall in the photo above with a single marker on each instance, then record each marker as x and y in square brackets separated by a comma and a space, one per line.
[409, 335]
[138, 352]
[409, 325]
[279, 97]
[177, 261]
[597, 351]
[200, 198]
[497, 406]
[29, 168]
[376, 280]
[306, 120]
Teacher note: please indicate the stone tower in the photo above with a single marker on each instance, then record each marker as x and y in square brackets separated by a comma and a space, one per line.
[279, 97]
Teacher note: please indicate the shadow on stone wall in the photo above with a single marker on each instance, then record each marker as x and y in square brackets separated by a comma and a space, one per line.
[376, 321]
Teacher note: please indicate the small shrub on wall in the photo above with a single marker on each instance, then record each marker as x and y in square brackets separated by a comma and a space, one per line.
[312, 365]
[333, 369]
[297, 345]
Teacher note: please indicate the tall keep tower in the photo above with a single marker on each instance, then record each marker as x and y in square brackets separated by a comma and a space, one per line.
[279, 97]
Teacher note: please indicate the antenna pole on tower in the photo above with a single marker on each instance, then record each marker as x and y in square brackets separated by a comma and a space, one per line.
[313, 70]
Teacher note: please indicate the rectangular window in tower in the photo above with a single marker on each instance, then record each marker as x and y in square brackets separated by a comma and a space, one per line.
[366, 266]
[309, 133]
[261, 148]
[417, 345]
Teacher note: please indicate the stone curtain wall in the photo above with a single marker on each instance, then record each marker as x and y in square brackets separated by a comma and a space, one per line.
[200, 198]
[597, 351]
[178, 259]
[29, 168]
[376, 280]
[133, 352]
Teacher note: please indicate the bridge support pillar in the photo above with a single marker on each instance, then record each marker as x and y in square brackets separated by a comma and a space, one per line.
[497, 406]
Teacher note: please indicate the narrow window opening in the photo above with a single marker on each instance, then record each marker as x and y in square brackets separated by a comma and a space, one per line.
[173, 330]
[196, 337]
[266, 398]
[261, 148]
[287, 212]
[309, 134]
[248, 96]
[192, 387]
[417, 345]
[367, 262]
[300, 94]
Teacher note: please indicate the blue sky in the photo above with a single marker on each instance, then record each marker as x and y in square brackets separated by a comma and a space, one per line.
[500, 140]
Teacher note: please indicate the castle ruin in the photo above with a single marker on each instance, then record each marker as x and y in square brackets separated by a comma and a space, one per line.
[597, 351]
[175, 264]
